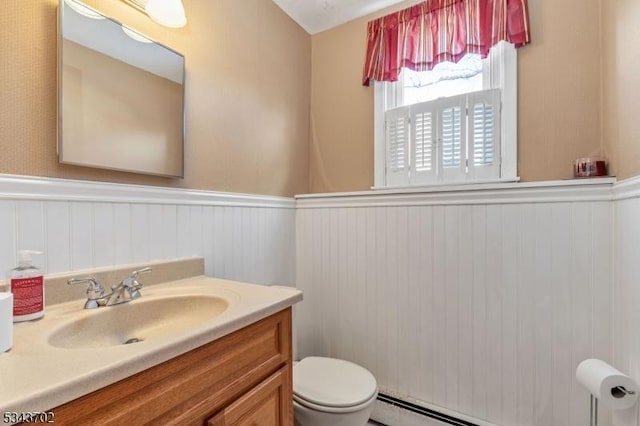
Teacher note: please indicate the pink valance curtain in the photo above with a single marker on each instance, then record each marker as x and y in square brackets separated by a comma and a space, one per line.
[435, 31]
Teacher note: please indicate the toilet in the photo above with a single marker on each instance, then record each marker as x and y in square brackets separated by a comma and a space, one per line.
[332, 392]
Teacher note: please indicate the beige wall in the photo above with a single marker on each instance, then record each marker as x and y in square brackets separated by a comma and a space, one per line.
[621, 85]
[559, 81]
[248, 124]
[247, 99]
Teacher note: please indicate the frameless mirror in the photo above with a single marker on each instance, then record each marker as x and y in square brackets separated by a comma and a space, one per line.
[120, 96]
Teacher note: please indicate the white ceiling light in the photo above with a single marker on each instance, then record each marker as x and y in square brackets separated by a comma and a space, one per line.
[169, 13]
[83, 9]
[135, 35]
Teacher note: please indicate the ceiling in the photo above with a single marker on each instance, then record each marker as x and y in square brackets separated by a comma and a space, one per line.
[319, 15]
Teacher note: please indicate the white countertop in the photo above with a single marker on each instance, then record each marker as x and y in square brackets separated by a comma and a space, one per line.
[36, 376]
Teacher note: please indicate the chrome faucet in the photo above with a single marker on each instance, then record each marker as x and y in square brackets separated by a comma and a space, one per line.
[126, 291]
[95, 292]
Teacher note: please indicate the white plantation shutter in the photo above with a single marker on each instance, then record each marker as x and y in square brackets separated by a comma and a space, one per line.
[447, 140]
[423, 144]
[397, 132]
[452, 138]
[484, 134]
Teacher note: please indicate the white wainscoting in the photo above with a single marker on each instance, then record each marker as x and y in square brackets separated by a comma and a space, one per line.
[80, 225]
[479, 301]
[626, 306]
[482, 303]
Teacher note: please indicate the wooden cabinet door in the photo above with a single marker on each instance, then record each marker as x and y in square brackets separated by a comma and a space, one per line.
[268, 404]
[187, 389]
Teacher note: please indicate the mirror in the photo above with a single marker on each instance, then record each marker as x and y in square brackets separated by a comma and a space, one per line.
[120, 96]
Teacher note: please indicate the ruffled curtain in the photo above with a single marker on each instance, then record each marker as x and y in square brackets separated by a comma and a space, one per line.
[435, 31]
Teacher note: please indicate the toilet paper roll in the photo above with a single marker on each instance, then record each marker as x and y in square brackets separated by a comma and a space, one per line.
[611, 387]
[6, 321]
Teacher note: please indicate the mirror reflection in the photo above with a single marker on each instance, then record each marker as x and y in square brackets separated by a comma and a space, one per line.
[121, 96]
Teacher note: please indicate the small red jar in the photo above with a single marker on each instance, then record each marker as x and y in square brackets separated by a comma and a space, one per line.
[589, 167]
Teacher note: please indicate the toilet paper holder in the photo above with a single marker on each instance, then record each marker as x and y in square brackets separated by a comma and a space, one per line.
[621, 391]
[593, 414]
[617, 392]
[607, 385]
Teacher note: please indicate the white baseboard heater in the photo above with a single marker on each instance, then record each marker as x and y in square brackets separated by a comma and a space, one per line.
[445, 419]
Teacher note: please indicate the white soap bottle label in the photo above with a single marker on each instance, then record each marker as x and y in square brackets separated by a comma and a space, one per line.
[27, 295]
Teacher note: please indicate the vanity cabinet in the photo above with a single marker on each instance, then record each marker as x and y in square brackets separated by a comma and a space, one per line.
[263, 405]
[244, 378]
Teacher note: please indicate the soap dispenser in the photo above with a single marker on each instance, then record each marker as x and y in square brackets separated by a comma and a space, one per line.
[27, 286]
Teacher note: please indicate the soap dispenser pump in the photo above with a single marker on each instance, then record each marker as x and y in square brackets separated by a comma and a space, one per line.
[27, 286]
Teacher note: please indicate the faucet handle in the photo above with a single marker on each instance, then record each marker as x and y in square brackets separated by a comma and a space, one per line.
[131, 280]
[135, 274]
[132, 284]
[94, 291]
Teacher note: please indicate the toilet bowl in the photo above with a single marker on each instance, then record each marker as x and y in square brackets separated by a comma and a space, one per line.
[332, 392]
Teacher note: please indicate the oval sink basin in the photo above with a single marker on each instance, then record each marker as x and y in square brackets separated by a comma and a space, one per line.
[137, 321]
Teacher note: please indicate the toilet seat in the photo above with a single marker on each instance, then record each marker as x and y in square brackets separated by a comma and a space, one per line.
[332, 385]
[334, 410]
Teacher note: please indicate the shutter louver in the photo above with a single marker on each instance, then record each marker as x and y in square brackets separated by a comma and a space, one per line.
[398, 133]
[423, 142]
[452, 138]
[397, 130]
[484, 134]
[423, 130]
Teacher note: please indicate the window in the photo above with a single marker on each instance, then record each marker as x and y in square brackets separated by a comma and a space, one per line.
[454, 124]
[446, 79]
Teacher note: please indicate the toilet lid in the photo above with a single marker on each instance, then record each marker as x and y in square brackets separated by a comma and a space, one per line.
[332, 382]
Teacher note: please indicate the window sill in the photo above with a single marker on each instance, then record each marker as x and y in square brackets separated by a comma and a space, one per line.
[495, 191]
[447, 186]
